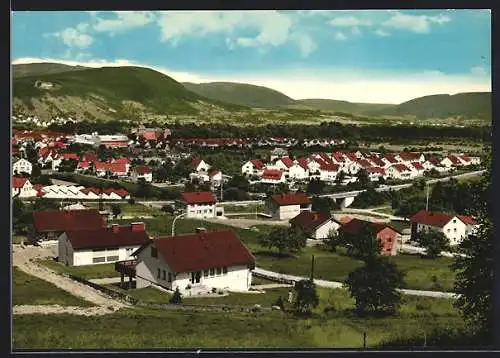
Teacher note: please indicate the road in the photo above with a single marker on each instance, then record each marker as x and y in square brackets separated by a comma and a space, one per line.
[247, 223]
[333, 284]
[373, 212]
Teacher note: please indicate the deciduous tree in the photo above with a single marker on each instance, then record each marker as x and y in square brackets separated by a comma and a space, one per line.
[306, 296]
[284, 240]
[433, 241]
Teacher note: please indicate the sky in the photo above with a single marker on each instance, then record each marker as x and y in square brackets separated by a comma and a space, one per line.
[372, 56]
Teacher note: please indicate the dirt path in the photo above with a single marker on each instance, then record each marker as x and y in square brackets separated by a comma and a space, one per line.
[246, 223]
[25, 260]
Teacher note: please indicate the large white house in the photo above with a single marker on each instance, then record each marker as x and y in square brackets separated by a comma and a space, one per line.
[272, 176]
[199, 204]
[142, 171]
[22, 188]
[287, 206]
[454, 227]
[101, 245]
[316, 225]
[252, 167]
[196, 263]
[22, 166]
[199, 165]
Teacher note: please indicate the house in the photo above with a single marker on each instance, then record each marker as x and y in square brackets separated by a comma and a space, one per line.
[272, 176]
[252, 167]
[196, 263]
[78, 247]
[399, 171]
[199, 165]
[59, 157]
[328, 171]
[451, 161]
[215, 177]
[142, 172]
[49, 225]
[287, 206]
[283, 163]
[317, 225]
[375, 173]
[299, 170]
[417, 168]
[389, 159]
[387, 235]
[22, 166]
[199, 204]
[454, 227]
[409, 157]
[22, 188]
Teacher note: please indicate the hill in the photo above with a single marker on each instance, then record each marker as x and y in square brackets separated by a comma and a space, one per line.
[32, 69]
[332, 105]
[241, 94]
[468, 105]
[108, 92]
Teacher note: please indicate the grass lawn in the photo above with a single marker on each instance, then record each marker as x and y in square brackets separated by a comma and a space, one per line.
[400, 225]
[30, 290]
[336, 266]
[334, 327]
[139, 210]
[243, 208]
[86, 272]
[387, 210]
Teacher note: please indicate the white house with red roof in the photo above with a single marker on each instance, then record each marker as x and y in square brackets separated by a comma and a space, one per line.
[417, 168]
[142, 171]
[199, 165]
[22, 188]
[215, 177]
[94, 246]
[283, 163]
[375, 173]
[59, 157]
[196, 263]
[22, 166]
[272, 176]
[315, 224]
[451, 161]
[409, 157]
[328, 171]
[252, 167]
[287, 206]
[399, 171]
[454, 227]
[199, 205]
[299, 170]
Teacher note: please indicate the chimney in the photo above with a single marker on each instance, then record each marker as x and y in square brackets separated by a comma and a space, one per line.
[137, 227]
[115, 228]
[200, 230]
[315, 216]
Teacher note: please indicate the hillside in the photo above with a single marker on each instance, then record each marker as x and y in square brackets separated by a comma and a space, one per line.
[241, 94]
[468, 105]
[32, 69]
[339, 106]
[109, 92]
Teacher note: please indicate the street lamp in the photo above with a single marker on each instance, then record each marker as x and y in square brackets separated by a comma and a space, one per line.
[173, 222]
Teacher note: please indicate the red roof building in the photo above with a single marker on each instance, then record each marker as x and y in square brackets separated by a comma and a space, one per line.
[291, 199]
[272, 174]
[409, 156]
[197, 198]
[143, 169]
[316, 224]
[18, 183]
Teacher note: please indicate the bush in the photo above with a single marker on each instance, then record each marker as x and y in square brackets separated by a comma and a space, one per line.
[176, 298]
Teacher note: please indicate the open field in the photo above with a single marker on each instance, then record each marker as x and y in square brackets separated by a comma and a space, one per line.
[331, 326]
[30, 290]
[86, 272]
[243, 208]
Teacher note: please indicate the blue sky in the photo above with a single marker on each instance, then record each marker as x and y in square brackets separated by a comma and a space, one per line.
[384, 56]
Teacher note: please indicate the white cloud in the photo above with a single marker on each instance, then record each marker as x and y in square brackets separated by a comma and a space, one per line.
[355, 31]
[74, 37]
[340, 36]
[349, 21]
[382, 33]
[478, 71]
[124, 20]
[415, 23]
[341, 83]
[305, 43]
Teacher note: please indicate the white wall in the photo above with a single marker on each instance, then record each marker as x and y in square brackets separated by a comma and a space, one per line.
[200, 211]
[323, 231]
[288, 212]
[22, 166]
[455, 231]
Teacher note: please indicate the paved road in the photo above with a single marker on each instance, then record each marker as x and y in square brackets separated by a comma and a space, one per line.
[333, 284]
[375, 213]
[247, 223]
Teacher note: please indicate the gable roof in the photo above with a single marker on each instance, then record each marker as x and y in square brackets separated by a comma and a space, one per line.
[453, 159]
[400, 167]
[291, 199]
[105, 237]
[202, 251]
[204, 197]
[302, 162]
[257, 163]
[431, 218]
[287, 161]
[309, 221]
[377, 161]
[63, 220]
[375, 170]
[467, 219]
[417, 166]
[143, 169]
[409, 156]
[390, 158]
[272, 174]
[18, 183]
[355, 226]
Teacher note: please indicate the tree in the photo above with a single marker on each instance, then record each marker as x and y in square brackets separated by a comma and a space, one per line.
[324, 204]
[374, 286]
[365, 245]
[284, 239]
[306, 297]
[315, 186]
[362, 178]
[144, 190]
[474, 272]
[433, 241]
[42, 204]
[168, 209]
[67, 165]
[340, 177]
[333, 240]
[176, 297]
[20, 216]
[116, 210]
[240, 182]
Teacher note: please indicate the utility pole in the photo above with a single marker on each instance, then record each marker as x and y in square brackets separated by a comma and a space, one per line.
[427, 199]
[312, 268]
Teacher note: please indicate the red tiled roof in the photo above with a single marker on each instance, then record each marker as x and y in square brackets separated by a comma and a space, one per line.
[195, 162]
[401, 167]
[454, 159]
[202, 251]
[291, 199]
[105, 237]
[83, 164]
[310, 221]
[302, 162]
[377, 161]
[257, 163]
[430, 218]
[375, 170]
[355, 226]
[329, 167]
[148, 135]
[417, 166]
[364, 163]
[143, 169]
[18, 183]
[466, 219]
[391, 158]
[351, 156]
[73, 156]
[465, 158]
[117, 168]
[272, 174]
[408, 156]
[122, 160]
[204, 197]
[67, 220]
[338, 156]
[287, 161]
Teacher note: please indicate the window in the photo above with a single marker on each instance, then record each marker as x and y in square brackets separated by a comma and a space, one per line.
[448, 230]
[205, 273]
[158, 274]
[454, 221]
[112, 258]
[169, 277]
[98, 260]
[212, 272]
[164, 275]
[219, 271]
[224, 270]
[455, 230]
[154, 252]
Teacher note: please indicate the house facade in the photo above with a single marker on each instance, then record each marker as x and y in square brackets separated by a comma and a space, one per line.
[199, 205]
[317, 225]
[142, 172]
[287, 206]
[22, 166]
[196, 263]
[101, 245]
[252, 167]
[22, 188]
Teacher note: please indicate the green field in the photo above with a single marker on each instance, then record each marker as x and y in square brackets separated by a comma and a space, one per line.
[331, 326]
[243, 208]
[87, 272]
[30, 290]
[387, 210]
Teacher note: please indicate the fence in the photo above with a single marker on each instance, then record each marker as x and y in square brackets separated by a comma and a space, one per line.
[273, 278]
